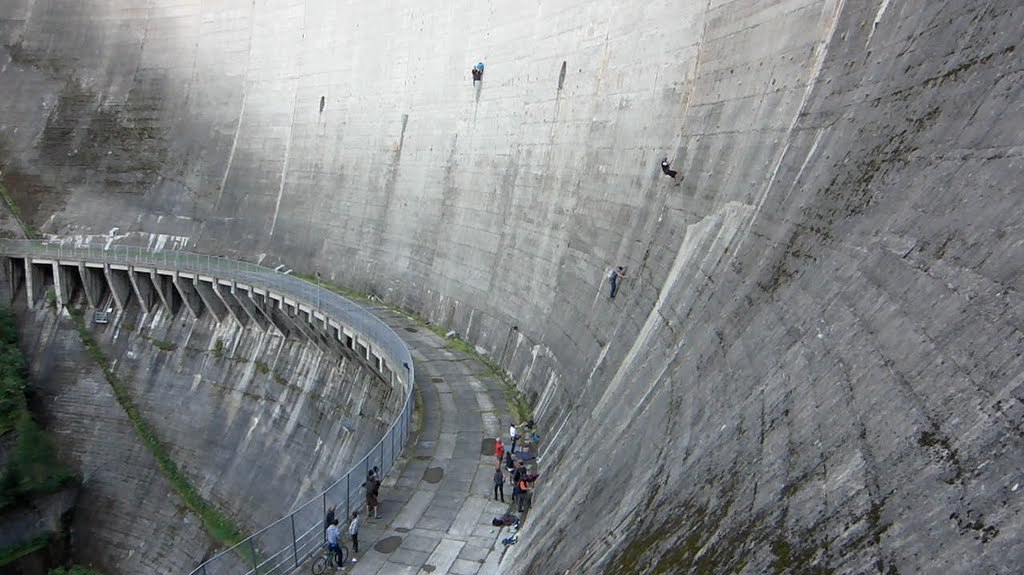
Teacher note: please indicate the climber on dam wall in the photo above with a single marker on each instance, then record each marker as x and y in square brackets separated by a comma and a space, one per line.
[613, 280]
[478, 73]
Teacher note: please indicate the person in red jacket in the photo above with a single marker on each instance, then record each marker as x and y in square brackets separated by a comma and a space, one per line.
[499, 449]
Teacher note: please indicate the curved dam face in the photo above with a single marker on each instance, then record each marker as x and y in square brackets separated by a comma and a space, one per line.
[259, 419]
[813, 362]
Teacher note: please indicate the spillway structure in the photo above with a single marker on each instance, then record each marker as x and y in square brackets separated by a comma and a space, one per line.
[813, 360]
[113, 282]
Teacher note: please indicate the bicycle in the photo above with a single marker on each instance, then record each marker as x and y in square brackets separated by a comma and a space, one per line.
[322, 562]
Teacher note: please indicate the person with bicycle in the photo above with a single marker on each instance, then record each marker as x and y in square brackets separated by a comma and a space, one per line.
[333, 535]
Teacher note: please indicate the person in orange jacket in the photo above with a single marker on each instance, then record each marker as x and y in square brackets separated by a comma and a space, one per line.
[499, 449]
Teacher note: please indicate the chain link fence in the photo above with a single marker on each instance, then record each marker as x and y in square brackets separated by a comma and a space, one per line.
[289, 542]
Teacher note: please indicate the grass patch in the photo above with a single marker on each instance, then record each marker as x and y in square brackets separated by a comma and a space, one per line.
[218, 348]
[12, 205]
[128, 325]
[218, 525]
[73, 570]
[164, 345]
[346, 292]
[262, 367]
[19, 550]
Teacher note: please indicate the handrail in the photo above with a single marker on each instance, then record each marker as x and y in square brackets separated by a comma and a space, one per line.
[284, 537]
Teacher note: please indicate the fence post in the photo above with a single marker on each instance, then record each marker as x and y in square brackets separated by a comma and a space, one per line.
[348, 493]
[255, 559]
[324, 515]
[295, 543]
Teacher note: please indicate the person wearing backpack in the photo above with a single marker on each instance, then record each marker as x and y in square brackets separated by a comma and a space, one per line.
[524, 494]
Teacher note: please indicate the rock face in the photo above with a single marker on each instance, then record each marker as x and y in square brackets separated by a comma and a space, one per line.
[813, 364]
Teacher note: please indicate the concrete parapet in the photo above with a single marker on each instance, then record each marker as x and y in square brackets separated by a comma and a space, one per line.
[223, 290]
[120, 285]
[143, 288]
[241, 294]
[189, 295]
[163, 285]
[213, 302]
[35, 282]
[93, 283]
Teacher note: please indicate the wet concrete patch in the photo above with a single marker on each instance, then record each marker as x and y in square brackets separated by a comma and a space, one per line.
[388, 544]
[433, 474]
[487, 446]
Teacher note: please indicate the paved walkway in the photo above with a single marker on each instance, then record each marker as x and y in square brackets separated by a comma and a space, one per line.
[437, 504]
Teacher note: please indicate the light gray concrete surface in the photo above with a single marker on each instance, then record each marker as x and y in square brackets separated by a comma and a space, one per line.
[814, 362]
[444, 527]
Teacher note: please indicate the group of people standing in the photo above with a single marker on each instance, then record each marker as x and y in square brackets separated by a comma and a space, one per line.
[333, 532]
[522, 480]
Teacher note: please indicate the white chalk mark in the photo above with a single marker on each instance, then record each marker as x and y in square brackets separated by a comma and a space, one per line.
[241, 109]
[808, 89]
[878, 18]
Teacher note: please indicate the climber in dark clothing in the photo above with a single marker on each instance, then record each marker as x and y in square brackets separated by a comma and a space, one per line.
[665, 168]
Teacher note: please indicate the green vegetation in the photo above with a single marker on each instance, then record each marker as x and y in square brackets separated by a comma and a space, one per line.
[218, 348]
[30, 232]
[217, 523]
[127, 325]
[262, 367]
[51, 298]
[164, 345]
[17, 551]
[74, 570]
[33, 467]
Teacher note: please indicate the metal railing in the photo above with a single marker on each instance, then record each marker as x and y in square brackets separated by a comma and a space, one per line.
[285, 544]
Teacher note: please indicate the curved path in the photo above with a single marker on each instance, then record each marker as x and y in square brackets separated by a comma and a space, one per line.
[437, 504]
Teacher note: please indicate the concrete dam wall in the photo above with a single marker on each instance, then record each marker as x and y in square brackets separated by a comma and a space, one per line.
[814, 362]
[258, 418]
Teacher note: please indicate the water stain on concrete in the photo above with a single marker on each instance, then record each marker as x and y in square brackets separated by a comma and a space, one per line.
[433, 474]
[487, 446]
[388, 544]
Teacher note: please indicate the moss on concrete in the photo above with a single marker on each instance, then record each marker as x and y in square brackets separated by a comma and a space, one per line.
[217, 523]
[33, 467]
[15, 209]
[15, 552]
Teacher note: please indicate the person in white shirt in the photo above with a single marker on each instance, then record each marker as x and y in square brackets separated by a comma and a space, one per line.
[514, 434]
[333, 533]
[353, 530]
